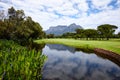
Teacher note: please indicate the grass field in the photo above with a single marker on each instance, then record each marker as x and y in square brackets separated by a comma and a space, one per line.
[111, 45]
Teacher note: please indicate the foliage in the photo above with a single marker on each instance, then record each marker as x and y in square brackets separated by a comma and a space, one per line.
[106, 30]
[19, 27]
[90, 33]
[80, 33]
[119, 34]
[19, 63]
[68, 35]
[50, 36]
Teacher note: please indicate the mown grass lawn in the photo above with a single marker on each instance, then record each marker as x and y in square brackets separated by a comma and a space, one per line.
[111, 45]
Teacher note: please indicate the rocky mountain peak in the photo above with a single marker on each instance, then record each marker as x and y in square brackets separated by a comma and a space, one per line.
[61, 29]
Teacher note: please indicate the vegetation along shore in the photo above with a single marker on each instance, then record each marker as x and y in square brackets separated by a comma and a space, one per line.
[19, 56]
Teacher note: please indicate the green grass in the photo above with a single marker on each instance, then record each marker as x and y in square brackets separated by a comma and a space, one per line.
[19, 63]
[111, 45]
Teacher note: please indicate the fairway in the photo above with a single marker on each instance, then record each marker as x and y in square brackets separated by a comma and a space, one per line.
[111, 45]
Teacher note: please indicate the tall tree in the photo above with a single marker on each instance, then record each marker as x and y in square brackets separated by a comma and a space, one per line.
[106, 30]
[19, 27]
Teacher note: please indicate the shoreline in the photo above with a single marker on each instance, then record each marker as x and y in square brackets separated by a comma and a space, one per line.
[89, 46]
[111, 45]
[108, 54]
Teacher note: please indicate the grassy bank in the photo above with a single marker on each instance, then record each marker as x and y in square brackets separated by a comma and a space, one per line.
[19, 63]
[111, 45]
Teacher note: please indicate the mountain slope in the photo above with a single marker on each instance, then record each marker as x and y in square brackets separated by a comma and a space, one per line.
[61, 29]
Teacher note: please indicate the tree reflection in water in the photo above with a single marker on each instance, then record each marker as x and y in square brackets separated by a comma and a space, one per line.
[65, 63]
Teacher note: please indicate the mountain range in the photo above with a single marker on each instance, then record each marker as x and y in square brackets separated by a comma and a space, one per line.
[61, 29]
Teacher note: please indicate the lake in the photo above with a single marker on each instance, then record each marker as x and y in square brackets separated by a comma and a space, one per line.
[66, 63]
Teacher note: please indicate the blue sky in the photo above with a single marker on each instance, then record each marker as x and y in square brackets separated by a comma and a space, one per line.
[87, 13]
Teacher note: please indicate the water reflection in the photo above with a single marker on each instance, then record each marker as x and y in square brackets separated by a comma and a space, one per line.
[36, 46]
[62, 64]
[61, 47]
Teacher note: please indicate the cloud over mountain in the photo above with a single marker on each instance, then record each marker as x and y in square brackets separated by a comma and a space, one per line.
[87, 13]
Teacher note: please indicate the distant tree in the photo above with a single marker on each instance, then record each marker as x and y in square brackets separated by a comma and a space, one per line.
[106, 30]
[80, 33]
[90, 33]
[118, 34]
[50, 36]
[69, 35]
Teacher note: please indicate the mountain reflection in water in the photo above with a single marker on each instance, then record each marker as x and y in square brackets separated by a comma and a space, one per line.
[64, 63]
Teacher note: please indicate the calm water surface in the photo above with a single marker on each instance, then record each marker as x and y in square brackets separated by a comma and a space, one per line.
[65, 63]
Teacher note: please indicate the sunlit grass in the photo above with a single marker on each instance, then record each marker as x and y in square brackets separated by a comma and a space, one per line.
[111, 45]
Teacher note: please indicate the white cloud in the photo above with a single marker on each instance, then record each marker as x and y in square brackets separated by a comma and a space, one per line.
[82, 5]
[51, 3]
[4, 5]
[57, 12]
[101, 4]
[66, 9]
[118, 3]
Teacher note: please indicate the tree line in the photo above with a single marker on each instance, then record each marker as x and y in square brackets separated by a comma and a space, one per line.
[103, 32]
[19, 27]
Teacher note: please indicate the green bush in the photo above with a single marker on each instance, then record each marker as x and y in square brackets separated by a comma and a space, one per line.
[19, 63]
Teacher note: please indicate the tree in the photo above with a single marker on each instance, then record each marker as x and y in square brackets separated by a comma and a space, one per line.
[2, 15]
[118, 34]
[50, 36]
[11, 13]
[14, 22]
[80, 33]
[35, 28]
[2, 29]
[106, 30]
[20, 15]
[19, 27]
[90, 33]
[68, 35]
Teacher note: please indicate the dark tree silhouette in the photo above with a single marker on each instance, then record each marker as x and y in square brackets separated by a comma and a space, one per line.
[106, 30]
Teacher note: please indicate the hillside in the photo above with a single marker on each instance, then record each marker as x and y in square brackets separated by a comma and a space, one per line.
[61, 29]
